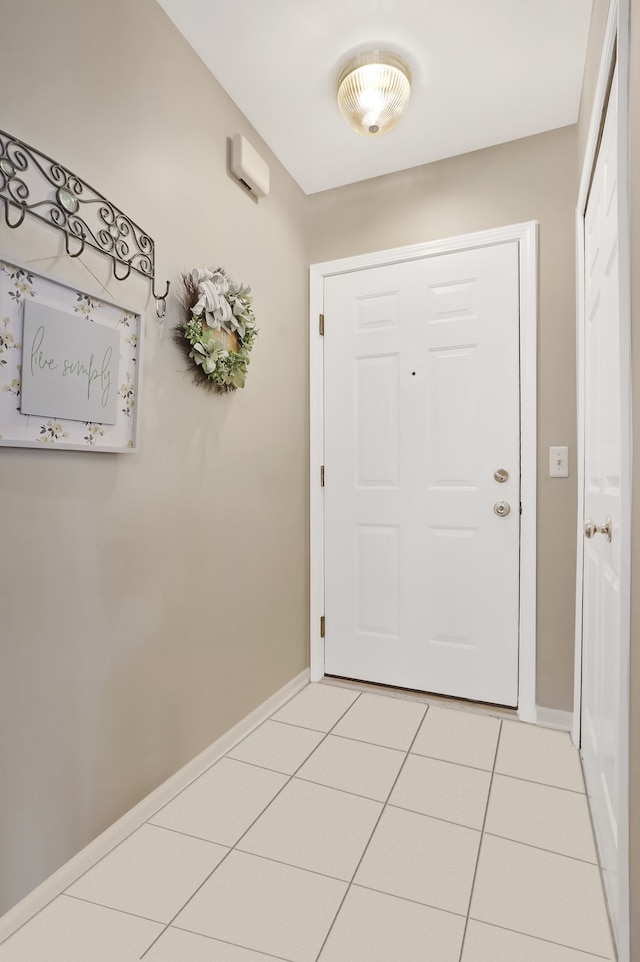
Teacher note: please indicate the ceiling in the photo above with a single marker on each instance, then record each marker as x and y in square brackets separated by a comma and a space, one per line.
[484, 72]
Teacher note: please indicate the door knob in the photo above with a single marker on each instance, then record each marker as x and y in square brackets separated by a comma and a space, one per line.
[502, 509]
[606, 528]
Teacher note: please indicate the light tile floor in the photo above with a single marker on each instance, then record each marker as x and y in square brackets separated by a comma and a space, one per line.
[351, 827]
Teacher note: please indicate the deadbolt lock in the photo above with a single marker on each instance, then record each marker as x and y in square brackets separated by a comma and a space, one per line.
[502, 509]
[501, 475]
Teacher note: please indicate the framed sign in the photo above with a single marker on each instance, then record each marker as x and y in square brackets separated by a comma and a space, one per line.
[69, 366]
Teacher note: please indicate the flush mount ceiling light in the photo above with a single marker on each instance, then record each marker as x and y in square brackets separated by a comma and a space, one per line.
[373, 91]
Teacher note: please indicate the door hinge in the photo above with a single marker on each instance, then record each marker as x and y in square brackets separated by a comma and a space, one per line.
[322, 475]
[322, 626]
[321, 324]
[521, 507]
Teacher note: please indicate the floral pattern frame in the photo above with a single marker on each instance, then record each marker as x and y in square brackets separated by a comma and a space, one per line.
[18, 285]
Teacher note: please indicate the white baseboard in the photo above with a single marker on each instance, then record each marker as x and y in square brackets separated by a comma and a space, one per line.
[554, 718]
[36, 900]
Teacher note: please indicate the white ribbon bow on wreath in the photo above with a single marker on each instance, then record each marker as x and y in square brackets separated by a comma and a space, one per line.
[211, 288]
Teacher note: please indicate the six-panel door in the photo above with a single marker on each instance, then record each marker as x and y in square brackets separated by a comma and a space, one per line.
[421, 410]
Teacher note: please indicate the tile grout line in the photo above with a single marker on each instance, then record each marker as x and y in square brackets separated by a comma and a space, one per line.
[484, 822]
[533, 781]
[363, 741]
[234, 945]
[435, 818]
[366, 848]
[197, 838]
[434, 758]
[405, 898]
[298, 868]
[248, 829]
[345, 791]
[539, 938]
[109, 908]
[539, 848]
[278, 721]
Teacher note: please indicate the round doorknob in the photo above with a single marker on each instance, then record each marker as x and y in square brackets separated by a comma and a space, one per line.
[590, 528]
[502, 509]
[606, 528]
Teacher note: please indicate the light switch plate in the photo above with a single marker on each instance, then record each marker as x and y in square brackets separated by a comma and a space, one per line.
[559, 462]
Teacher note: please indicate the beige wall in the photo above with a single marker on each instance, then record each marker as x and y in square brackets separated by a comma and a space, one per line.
[530, 179]
[148, 602]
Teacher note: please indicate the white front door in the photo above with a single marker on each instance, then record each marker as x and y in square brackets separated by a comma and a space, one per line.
[602, 668]
[421, 411]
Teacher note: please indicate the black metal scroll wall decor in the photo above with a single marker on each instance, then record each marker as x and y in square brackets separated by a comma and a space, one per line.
[32, 183]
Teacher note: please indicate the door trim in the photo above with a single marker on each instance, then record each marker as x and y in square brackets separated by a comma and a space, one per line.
[615, 48]
[526, 235]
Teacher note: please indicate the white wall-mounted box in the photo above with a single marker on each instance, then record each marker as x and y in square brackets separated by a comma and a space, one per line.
[248, 166]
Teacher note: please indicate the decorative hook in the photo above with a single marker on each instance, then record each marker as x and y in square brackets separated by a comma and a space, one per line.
[124, 276]
[161, 301]
[6, 213]
[66, 244]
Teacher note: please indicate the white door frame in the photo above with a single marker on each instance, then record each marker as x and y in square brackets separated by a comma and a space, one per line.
[616, 46]
[526, 235]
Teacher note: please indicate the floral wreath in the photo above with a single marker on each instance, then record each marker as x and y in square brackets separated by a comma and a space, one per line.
[220, 330]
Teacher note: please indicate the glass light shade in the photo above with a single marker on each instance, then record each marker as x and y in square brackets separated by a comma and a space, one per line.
[373, 91]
